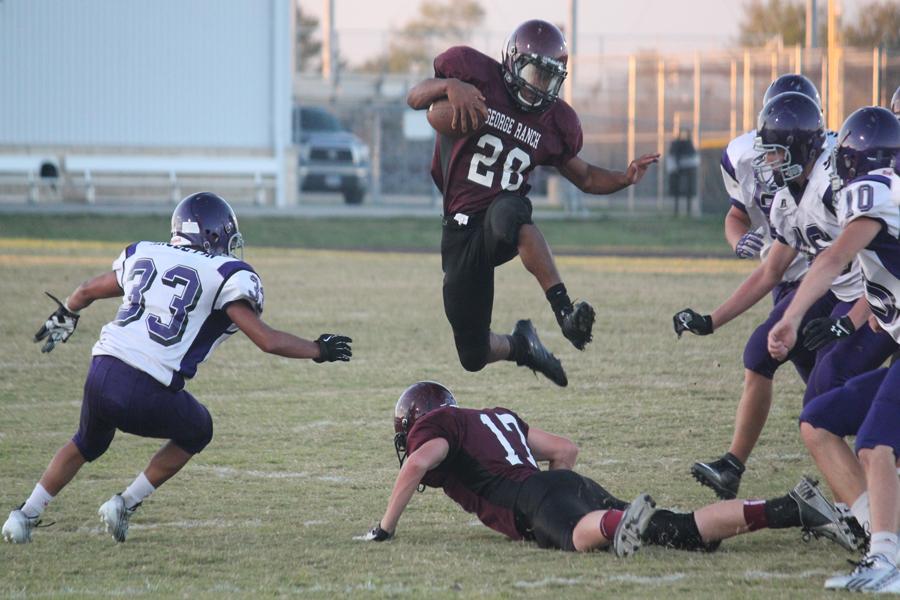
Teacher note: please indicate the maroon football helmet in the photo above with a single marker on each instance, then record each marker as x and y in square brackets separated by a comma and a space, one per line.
[418, 399]
[534, 64]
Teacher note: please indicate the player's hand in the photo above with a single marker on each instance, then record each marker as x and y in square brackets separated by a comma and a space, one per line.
[688, 320]
[59, 326]
[782, 338]
[377, 534]
[467, 102]
[821, 331]
[639, 166]
[750, 245]
[333, 347]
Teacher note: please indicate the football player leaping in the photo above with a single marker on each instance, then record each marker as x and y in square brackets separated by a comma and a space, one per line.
[181, 300]
[484, 181]
[487, 462]
[794, 158]
[867, 406]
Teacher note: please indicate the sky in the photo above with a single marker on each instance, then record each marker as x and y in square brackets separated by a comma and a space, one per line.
[604, 26]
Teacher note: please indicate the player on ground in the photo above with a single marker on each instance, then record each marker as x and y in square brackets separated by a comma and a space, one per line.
[795, 160]
[487, 462]
[180, 301]
[867, 406]
[749, 232]
[484, 181]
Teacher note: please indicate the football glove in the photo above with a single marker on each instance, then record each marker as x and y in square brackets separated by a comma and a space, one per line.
[823, 330]
[688, 320]
[377, 534]
[750, 245]
[59, 326]
[333, 347]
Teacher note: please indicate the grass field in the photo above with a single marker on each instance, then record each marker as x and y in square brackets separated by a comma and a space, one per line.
[302, 458]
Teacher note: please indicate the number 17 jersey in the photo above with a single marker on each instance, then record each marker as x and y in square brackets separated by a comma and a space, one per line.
[472, 171]
[173, 309]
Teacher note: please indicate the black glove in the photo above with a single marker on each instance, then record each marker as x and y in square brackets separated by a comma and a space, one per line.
[823, 330]
[59, 326]
[377, 534]
[333, 347]
[688, 320]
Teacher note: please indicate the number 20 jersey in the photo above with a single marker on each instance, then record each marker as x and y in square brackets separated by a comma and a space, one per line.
[173, 309]
[487, 461]
[877, 196]
[473, 170]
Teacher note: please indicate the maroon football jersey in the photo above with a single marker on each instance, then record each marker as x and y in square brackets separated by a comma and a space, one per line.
[498, 157]
[489, 458]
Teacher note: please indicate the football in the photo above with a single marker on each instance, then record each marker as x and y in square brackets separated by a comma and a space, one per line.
[440, 117]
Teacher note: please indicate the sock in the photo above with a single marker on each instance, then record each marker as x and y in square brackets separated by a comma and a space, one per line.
[139, 489]
[735, 462]
[755, 514]
[782, 512]
[37, 502]
[518, 349]
[860, 510]
[609, 522]
[559, 301]
[884, 542]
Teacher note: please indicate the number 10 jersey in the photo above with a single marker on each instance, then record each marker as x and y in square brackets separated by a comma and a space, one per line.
[499, 156]
[173, 309]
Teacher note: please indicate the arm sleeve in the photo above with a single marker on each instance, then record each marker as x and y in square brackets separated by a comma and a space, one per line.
[729, 178]
[243, 284]
[460, 62]
[572, 138]
[119, 264]
[438, 424]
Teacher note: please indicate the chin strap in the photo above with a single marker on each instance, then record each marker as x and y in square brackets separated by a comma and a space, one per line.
[400, 446]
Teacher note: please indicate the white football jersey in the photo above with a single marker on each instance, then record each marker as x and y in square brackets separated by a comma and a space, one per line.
[877, 196]
[811, 224]
[745, 194]
[172, 314]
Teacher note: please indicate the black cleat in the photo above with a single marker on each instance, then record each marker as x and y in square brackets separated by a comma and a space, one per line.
[577, 324]
[722, 475]
[821, 519]
[538, 358]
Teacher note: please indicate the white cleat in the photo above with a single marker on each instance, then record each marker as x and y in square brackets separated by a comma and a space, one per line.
[873, 573]
[115, 515]
[634, 523]
[18, 527]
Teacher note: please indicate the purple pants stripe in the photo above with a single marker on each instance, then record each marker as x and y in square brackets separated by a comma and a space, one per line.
[118, 396]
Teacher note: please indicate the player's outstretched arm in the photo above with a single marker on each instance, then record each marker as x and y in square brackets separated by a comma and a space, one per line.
[466, 99]
[827, 266]
[426, 457]
[559, 451]
[592, 179]
[327, 348]
[61, 324]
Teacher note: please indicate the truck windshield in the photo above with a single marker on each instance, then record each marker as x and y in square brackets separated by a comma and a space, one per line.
[318, 120]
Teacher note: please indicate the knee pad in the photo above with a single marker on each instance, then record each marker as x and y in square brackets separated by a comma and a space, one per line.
[201, 439]
[473, 351]
[506, 215]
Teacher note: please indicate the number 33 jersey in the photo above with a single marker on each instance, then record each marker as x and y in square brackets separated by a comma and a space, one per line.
[877, 196]
[173, 310]
[498, 157]
[487, 461]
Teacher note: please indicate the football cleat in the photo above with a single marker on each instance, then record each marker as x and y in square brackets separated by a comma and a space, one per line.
[634, 523]
[18, 527]
[820, 518]
[873, 573]
[722, 475]
[577, 324]
[115, 515]
[538, 358]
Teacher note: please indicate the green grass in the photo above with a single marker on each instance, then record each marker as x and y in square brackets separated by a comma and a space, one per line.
[655, 235]
[302, 458]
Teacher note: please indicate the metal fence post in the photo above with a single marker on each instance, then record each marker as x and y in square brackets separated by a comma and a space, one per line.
[697, 91]
[660, 130]
[632, 100]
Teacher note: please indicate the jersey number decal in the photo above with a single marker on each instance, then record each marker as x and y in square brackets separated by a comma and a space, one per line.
[165, 333]
[517, 160]
[865, 199]
[509, 423]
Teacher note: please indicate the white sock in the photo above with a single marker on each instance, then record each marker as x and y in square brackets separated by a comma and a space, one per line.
[37, 502]
[885, 543]
[860, 510]
[139, 489]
